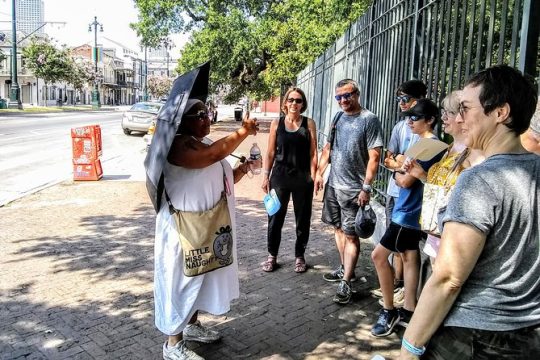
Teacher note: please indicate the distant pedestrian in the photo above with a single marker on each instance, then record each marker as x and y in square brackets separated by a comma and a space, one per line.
[289, 169]
[354, 148]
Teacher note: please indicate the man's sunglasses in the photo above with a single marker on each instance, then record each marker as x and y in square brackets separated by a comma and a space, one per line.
[345, 96]
[403, 98]
[201, 114]
[295, 100]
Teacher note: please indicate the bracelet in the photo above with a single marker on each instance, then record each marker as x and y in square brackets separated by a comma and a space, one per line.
[413, 349]
[367, 188]
[266, 172]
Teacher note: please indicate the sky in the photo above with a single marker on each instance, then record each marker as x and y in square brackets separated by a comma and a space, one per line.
[115, 15]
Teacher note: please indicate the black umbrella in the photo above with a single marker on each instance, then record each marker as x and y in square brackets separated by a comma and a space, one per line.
[191, 85]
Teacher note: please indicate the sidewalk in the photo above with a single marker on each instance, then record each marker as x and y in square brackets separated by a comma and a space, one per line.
[77, 269]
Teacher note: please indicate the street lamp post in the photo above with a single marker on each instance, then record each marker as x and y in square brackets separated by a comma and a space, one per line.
[96, 103]
[167, 43]
[15, 92]
[145, 96]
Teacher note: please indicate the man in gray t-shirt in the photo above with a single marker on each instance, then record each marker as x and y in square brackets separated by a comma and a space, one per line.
[483, 299]
[354, 148]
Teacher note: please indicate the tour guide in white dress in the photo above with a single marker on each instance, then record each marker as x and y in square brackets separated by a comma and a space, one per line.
[196, 178]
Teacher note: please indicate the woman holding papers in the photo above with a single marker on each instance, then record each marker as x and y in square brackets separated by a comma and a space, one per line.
[403, 234]
[443, 175]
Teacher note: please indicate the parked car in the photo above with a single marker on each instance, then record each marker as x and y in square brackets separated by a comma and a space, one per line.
[149, 134]
[140, 116]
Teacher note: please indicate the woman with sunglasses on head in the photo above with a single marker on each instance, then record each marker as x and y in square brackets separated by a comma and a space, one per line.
[289, 169]
[197, 181]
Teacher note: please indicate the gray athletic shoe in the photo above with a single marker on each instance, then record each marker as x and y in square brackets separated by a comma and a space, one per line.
[197, 332]
[337, 275]
[343, 293]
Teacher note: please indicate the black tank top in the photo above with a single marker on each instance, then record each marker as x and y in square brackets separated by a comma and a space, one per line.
[292, 158]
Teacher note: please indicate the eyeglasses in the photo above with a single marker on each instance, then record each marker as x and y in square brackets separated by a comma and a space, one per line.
[200, 115]
[446, 113]
[345, 96]
[416, 118]
[403, 98]
[295, 100]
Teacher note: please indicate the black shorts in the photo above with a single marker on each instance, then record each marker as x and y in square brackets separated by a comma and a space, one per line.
[340, 208]
[400, 239]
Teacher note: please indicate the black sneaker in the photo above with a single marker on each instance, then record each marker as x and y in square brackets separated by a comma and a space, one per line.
[386, 322]
[337, 275]
[343, 293]
[404, 317]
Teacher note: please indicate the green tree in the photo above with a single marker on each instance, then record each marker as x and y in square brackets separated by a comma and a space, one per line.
[159, 86]
[254, 46]
[47, 62]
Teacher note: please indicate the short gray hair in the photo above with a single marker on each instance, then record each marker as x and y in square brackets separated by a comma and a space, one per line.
[345, 82]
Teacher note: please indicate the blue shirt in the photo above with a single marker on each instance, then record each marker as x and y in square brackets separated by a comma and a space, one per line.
[409, 202]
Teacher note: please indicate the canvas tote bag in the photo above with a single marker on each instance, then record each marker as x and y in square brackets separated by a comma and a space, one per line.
[436, 198]
[206, 236]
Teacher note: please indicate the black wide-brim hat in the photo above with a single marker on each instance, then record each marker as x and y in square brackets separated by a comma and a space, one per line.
[191, 85]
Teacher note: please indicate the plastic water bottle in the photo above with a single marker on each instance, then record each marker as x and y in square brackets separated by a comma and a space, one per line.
[254, 155]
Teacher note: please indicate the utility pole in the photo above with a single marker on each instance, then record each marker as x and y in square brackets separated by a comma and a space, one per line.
[15, 92]
[96, 103]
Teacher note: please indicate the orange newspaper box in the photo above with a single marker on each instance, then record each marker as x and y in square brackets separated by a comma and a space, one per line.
[86, 143]
[87, 148]
[91, 171]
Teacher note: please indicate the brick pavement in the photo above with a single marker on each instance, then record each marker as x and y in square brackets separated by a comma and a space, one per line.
[76, 281]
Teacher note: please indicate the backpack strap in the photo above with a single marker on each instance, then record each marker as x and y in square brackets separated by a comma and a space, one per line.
[333, 129]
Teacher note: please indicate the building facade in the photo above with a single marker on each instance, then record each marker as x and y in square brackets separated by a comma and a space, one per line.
[30, 16]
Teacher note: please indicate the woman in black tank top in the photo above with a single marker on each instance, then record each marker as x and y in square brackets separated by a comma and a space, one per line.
[289, 169]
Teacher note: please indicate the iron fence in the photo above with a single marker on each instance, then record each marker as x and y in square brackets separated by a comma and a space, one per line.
[441, 42]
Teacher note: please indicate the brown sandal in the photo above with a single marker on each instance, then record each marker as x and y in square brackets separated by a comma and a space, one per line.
[270, 264]
[300, 265]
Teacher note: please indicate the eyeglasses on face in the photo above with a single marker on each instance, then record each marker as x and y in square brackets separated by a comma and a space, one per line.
[200, 115]
[447, 113]
[345, 96]
[416, 118]
[295, 100]
[403, 98]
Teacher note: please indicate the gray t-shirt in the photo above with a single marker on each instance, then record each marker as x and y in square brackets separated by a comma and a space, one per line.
[501, 198]
[401, 140]
[354, 136]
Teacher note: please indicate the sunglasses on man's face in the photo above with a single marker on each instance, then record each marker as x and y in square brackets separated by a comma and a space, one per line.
[200, 115]
[295, 100]
[403, 98]
[345, 96]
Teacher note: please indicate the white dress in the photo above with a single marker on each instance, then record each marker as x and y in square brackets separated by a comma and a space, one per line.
[176, 296]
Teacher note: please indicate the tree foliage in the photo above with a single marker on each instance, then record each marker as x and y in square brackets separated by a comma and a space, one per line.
[53, 65]
[46, 61]
[254, 46]
[159, 86]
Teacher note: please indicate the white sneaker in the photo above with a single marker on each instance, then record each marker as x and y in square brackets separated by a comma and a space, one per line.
[399, 298]
[179, 352]
[197, 332]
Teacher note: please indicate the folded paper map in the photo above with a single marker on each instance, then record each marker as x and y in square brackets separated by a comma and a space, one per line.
[425, 149]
